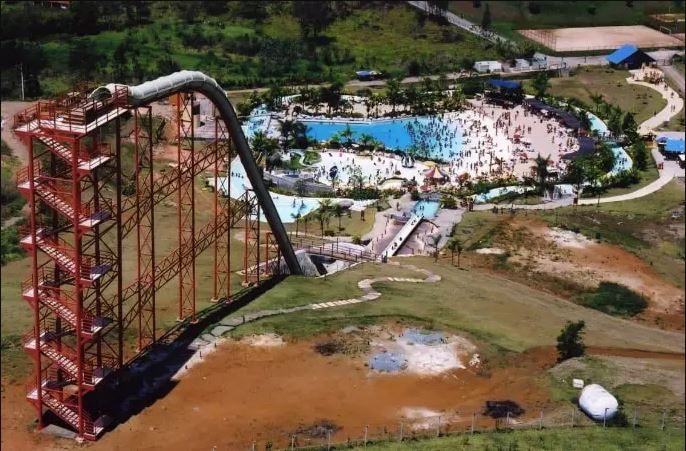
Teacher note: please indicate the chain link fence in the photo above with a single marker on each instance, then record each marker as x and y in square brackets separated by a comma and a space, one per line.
[327, 436]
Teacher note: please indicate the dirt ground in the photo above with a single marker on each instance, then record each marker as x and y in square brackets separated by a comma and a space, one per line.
[571, 256]
[9, 109]
[248, 391]
[600, 38]
[243, 393]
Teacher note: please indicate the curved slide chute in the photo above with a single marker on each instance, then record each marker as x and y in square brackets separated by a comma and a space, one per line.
[187, 81]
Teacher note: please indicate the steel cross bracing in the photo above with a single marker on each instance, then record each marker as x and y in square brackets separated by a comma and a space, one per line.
[81, 216]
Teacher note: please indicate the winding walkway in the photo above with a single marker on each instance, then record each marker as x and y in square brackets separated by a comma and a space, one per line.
[674, 104]
[207, 342]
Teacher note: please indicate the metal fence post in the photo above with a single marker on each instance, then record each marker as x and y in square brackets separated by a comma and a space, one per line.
[635, 415]
[253, 446]
[401, 431]
[605, 417]
[438, 427]
[366, 429]
[473, 418]
[293, 441]
[507, 419]
[540, 424]
[328, 439]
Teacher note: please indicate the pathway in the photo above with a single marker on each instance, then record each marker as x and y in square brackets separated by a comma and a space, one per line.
[676, 76]
[206, 343]
[674, 104]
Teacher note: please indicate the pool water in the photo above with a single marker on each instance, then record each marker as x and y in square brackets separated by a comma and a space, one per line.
[394, 133]
[427, 208]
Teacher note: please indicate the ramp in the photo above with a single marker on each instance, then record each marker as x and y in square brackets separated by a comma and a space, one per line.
[402, 235]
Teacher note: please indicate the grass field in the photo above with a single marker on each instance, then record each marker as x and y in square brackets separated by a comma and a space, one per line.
[611, 439]
[508, 17]
[649, 175]
[588, 81]
[493, 311]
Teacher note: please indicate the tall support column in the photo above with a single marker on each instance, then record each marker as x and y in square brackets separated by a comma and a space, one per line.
[145, 224]
[251, 255]
[186, 204]
[120, 280]
[222, 238]
[79, 287]
[34, 285]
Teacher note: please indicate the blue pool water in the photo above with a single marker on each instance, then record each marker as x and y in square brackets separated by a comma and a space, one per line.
[623, 161]
[287, 206]
[394, 133]
[428, 208]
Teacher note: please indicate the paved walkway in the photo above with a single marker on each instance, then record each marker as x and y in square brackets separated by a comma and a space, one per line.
[676, 76]
[674, 104]
[206, 344]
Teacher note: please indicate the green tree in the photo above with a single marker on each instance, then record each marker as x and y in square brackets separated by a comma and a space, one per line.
[630, 128]
[597, 100]
[455, 247]
[541, 172]
[262, 147]
[570, 341]
[347, 133]
[312, 16]
[338, 211]
[486, 18]
[322, 216]
[640, 155]
[541, 84]
[393, 93]
[435, 240]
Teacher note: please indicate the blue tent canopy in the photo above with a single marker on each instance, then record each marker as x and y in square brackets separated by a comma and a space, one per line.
[363, 73]
[674, 146]
[504, 83]
[621, 53]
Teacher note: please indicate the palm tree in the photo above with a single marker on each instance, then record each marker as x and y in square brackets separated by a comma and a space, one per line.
[455, 247]
[338, 211]
[540, 169]
[325, 204]
[306, 220]
[296, 216]
[347, 133]
[322, 216]
[394, 93]
[366, 140]
[597, 99]
[435, 239]
[262, 147]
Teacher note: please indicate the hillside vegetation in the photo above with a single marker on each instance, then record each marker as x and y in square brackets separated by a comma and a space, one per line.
[241, 44]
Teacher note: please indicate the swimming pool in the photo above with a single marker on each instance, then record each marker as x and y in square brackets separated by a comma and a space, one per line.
[396, 133]
[427, 208]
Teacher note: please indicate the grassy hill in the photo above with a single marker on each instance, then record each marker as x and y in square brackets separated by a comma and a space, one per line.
[508, 17]
[241, 44]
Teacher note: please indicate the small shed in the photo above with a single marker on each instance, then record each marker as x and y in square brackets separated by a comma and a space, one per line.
[628, 56]
[486, 67]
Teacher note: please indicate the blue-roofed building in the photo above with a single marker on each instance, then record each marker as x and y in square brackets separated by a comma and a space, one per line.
[628, 56]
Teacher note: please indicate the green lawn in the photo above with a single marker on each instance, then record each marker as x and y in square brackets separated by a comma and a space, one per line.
[588, 81]
[649, 175]
[508, 17]
[595, 438]
[497, 313]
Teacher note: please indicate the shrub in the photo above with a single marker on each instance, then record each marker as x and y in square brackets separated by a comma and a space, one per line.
[615, 299]
[328, 232]
[414, 195]
[357, 239]
[569, 342]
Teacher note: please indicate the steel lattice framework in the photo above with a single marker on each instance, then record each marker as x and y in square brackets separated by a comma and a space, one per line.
[83, 291]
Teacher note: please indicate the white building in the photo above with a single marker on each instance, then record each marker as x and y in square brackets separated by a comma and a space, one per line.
[522, 64]
[488, 66]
